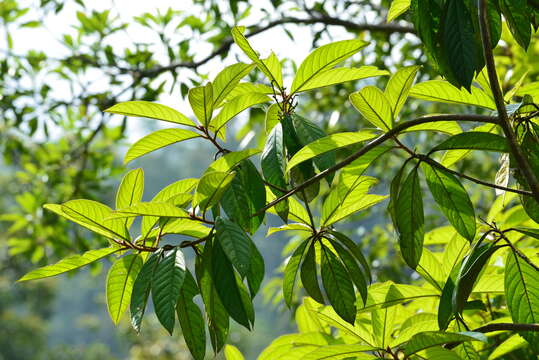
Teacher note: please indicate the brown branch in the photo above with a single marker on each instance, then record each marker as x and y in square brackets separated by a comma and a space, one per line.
[225, 46]
[376, 142]
[504, 121]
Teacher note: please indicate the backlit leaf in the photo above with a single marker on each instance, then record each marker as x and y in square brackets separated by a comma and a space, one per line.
[374, 106]
[150, 110]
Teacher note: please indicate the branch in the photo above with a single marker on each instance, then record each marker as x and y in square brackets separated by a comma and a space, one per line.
[376, 142]
[225, 46]
[504, 121]
[507, 327]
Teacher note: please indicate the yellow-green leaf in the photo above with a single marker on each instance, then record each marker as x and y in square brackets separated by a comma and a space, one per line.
[150, 110]
[227, 80]
[374, 106]
[399, 85]
[201, 100]
[211, 187]
[444, 92]
[397, 8]
[341, 75]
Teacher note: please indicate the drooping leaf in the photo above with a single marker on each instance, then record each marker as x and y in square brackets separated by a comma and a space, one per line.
[341, 75]
[474, 140]
[309, 275]
[327, 144]
[338, 286]
[458, 41]
[191, 319]
[290, 272]
[522, 294]
[517, 16]
[201, 100]
[211, 188]
[397, 8]
[354, 250]
[157, 140]
[69, 263]
[374, 106]
[167, 282]
[218, 321]
[324, 58]
[349, 262]
[245, 196]
[256, 272]
[410, 219]
[429, 339]
[120, 280]
[141, 290]
[92, 215]
[400, 83]
[469, 272]
[452, 199]
[443, 91]
[229, 289]
[235, 244]
[227, 80]
[150, 110]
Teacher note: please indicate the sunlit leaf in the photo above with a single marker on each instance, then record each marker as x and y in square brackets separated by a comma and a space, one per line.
[120, 280]
[374, 106]
[400, 83]
[201, 100]
[443, 91]
[341, 75]
[150, 110]
[191, 319]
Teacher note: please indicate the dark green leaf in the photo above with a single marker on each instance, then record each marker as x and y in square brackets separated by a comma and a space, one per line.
[235, 244]
[353, 270]
[141, 290]
[410, 219]
[452, 199]
[166, 285]
[290, 272]
[517, 16]
[474, 141]
[445, 307]
[338, 286]
[230, 293]
[191, 319]
[427, 339]
[355, 250]
[255, 276]
[309, 275]
[245, 196]
[522, 294]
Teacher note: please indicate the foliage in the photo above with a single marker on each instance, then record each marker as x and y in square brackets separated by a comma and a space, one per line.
[473, 272]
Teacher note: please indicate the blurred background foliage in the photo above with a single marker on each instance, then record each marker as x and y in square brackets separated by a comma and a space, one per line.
[63, 61]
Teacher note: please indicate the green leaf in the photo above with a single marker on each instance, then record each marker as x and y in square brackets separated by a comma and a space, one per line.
[120, 280]
[228, 161]
[469, 273]
[452, 199]
[235, 244]
[308, 275]
[328, 143]
[458, 42]
[187, 227]
[307, 132]
[274, 67]
[348, 197]
[290, 272]
[397, 8]
[157, 140]
[447, 127]
[383, 321]
[296, 211]
[232, 353]
[227, 80]
[324, 58]
[191, 319]
[218, 322]
[522, 294]
[166, 285]
[517, 16]
[341, 75]
[131, 189]
[245, 196]
[511, 344]
[474, 140]
[150, 110]
[354, 250]
[341, 351]
[339, 288]
[272, 118]
[211, 188]
[229, 289]
[201, 100]
[92, 215]
[374, 106]
[394, 189]
[445, 306]
[68, 263]
[429, 339]
[353, 269]
[273, 163]
[452, 156]
[255, 276]
[248, 88]
[400, 83]
[410, 219]
[236, 106]
[141, 290]
[150, 209]
[444, 92]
